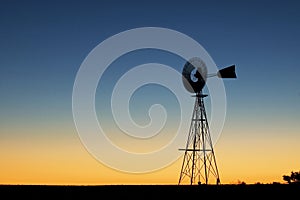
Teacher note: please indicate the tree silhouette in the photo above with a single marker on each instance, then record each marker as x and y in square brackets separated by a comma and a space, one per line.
[287, 178]
[293, 178]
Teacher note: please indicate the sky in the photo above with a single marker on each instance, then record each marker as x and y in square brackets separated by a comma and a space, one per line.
[44, 44]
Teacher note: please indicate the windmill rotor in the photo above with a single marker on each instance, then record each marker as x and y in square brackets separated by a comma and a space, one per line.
[194, 74]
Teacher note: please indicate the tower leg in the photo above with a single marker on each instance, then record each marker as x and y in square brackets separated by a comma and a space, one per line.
[199, 162]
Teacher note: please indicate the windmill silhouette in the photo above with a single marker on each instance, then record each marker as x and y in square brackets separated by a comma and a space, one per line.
[199, 162]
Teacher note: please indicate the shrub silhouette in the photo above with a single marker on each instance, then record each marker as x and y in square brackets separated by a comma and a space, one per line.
[293, 178]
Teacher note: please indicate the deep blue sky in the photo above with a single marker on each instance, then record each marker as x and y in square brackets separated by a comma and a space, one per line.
[43, 44]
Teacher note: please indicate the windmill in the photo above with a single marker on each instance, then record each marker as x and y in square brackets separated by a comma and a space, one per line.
[199, 162]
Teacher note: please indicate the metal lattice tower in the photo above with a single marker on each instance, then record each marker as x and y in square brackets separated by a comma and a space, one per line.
[199, 163]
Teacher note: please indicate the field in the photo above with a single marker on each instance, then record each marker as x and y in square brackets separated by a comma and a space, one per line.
[152, 191]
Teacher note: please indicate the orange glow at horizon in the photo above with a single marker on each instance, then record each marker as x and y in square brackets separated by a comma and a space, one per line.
[65, 161]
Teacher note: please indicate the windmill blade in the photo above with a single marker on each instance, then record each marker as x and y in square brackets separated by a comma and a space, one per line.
[228, 72]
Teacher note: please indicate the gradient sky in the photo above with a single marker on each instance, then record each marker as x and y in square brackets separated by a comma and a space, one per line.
[43, 44]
